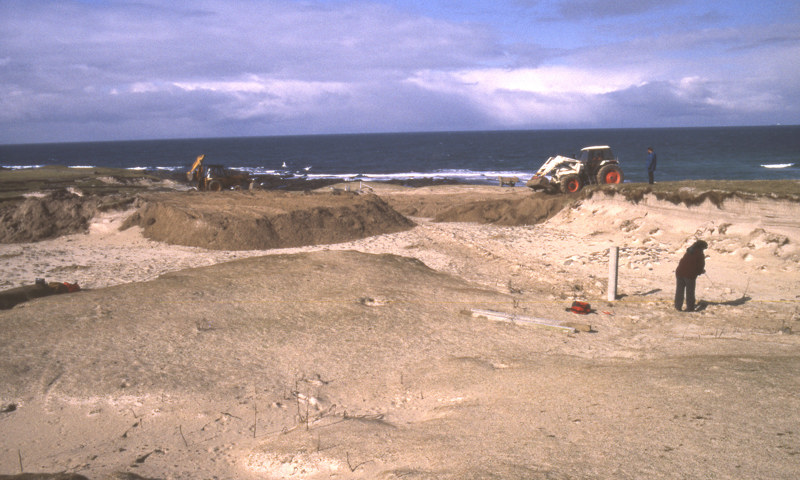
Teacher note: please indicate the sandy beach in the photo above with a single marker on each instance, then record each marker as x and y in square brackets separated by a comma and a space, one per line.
[334, 334]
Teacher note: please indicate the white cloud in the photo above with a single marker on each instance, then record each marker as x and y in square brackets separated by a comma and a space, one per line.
[141, 87]
[542, 80]
[255, 84]
[530, 96]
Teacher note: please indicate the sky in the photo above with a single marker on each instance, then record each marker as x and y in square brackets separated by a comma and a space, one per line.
[92, 70]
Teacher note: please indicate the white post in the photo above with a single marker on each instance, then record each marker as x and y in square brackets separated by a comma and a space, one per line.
[613, 261]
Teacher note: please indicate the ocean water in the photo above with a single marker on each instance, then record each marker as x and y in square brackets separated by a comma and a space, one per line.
[723, 153]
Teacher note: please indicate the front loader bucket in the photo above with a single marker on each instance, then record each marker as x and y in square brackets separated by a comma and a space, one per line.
[538, 183]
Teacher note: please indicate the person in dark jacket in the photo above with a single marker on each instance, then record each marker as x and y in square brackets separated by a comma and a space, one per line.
[692, 265]
[651, 165]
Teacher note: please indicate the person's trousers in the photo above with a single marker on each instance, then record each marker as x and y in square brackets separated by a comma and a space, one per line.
[651, 176]
[684, 286]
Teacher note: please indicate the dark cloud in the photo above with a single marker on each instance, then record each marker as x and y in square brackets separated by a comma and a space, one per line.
[602, 9]
[664, 103]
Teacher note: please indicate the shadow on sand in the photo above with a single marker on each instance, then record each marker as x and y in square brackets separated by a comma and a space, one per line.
[703, 304]
[638, 294]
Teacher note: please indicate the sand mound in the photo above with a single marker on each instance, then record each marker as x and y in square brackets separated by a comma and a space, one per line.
[58, 213]
[475, 203]
[699, 192]
[528, 210]
[348, 365]
[278, 304]
[263, 220]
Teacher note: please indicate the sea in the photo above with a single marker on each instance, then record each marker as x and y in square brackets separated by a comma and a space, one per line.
[712, 153]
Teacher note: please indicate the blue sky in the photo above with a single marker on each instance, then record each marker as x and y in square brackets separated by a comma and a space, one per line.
[115, 70]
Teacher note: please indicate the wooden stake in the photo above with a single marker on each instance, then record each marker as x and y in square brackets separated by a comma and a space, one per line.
[613, 265]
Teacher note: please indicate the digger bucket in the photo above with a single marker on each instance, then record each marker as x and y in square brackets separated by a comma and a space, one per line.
[537, 182]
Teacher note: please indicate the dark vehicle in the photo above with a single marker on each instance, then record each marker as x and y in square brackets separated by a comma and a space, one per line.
[219, 178]
[216, 178]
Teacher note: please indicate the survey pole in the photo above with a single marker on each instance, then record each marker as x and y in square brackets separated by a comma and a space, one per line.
[613, 264]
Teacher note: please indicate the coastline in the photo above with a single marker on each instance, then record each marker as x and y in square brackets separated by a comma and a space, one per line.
[684, 153]
[356, 358]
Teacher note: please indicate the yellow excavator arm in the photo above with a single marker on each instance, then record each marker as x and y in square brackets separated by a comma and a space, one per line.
[197, 164]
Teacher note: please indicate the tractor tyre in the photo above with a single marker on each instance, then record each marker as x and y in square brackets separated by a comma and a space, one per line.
[610, 174]
[215, 186]
[571, 184]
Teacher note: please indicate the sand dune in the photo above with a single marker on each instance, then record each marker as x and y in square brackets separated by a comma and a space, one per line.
[359, 359]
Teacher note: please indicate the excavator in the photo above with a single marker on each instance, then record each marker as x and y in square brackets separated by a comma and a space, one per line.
[216, 178]
[195, 175]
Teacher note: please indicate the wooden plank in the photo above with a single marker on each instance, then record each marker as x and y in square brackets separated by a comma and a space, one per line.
[521, 320]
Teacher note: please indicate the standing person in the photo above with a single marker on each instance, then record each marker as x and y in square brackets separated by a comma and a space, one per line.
[651, 165]
[689, 268]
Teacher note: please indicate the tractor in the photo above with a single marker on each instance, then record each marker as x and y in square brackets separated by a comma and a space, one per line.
[592, 165]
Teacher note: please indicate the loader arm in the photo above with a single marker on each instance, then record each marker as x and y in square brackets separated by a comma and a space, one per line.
[197, 164]
[548, 166]
[550, 174]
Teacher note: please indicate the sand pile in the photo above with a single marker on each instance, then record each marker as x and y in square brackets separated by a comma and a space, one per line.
[52, 215]
[474, 203]
[262, 317]
[264, 220]
[527, 210]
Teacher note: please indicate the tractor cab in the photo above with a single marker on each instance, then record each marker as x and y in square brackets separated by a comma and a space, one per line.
[594, 158]
[591, 153]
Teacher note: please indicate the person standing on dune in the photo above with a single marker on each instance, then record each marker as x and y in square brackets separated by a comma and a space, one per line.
[692, 265]
[651, 165]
